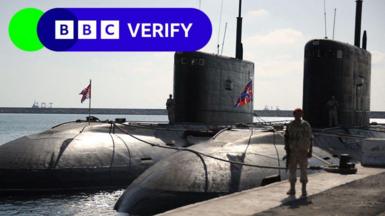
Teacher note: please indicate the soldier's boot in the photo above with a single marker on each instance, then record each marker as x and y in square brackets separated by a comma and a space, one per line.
[291, 192]
[304, 192]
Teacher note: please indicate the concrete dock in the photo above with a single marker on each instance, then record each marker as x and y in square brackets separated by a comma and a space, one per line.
[328, 194]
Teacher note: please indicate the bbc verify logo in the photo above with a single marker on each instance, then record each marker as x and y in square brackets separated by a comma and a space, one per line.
[112, 29]
[87, 29]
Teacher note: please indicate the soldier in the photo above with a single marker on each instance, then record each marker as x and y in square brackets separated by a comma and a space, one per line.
[298, 146]
[170, 104]
[332, 105]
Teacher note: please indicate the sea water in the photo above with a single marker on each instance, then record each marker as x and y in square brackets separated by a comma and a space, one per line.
[13, 126]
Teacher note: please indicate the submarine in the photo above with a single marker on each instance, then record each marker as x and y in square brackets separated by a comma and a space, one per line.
[251, 155]
[91, 154]
[235, 160]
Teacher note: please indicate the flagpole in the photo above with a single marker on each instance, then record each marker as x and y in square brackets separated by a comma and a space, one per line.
[89, 103]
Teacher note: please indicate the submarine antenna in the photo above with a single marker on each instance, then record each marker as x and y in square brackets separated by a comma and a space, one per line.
[238, 45]
[224, 38]
[334, 22]
[219, 27]
[89, 103]
[357, 30]
[326, 33]
[364, 40]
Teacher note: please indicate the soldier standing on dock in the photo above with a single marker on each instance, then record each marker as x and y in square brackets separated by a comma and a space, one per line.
[298, 146]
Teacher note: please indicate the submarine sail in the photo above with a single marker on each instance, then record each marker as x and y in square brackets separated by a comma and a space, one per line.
[337, 70]
[340, 70]
[207, 86]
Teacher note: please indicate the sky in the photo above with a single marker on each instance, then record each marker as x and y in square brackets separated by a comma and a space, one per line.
[274, 35]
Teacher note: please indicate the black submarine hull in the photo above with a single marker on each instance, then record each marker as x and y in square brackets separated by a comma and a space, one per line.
[157, 201]
[186, 177]
[79, 156]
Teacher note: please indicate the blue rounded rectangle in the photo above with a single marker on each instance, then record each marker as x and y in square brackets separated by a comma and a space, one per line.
[124, 29]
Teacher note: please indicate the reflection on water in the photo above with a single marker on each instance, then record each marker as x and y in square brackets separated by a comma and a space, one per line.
[100, 203]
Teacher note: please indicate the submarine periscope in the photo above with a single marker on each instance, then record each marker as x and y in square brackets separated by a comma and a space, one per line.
[252, 154]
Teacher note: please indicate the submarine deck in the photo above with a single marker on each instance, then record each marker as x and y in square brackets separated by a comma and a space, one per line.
[328, 193]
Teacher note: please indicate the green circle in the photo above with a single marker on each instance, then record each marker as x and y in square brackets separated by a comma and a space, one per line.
[22, 29]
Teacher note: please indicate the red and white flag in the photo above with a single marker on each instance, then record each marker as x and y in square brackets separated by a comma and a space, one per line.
[86, 93]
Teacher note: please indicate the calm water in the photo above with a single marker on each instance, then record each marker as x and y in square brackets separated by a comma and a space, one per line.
[13, 126]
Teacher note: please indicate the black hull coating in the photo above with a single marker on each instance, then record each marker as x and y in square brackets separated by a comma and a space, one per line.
[185, 177]
[156, 201]
[82, 156]
[336, 69]
[206, 87]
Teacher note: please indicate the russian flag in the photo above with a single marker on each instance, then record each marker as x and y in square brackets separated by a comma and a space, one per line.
[246, 96]
[86, 93]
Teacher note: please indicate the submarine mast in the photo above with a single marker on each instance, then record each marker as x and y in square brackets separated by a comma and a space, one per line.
[357, 30]
[239, 45]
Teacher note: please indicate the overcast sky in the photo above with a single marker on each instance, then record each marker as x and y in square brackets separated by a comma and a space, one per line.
[275, 32]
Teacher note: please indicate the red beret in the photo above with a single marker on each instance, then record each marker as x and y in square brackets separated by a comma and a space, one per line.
[298, 110]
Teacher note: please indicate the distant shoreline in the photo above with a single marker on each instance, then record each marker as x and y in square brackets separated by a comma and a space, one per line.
[112, 111]
[105, 111]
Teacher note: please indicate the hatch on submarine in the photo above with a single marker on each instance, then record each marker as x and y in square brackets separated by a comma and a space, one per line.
[240, 158]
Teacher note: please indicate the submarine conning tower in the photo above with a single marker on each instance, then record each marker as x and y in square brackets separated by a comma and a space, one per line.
[206, 86]
[333, 68]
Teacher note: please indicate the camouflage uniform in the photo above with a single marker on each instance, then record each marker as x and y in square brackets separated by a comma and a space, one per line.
[298, 137]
